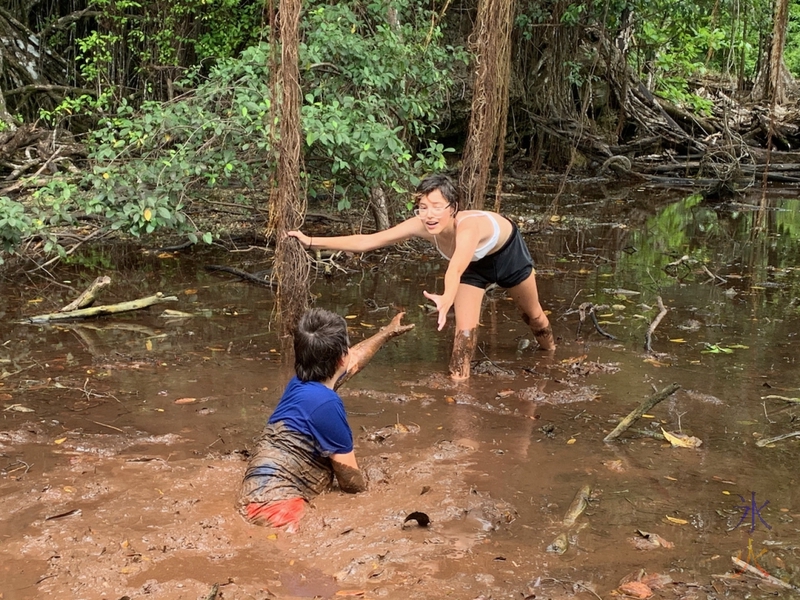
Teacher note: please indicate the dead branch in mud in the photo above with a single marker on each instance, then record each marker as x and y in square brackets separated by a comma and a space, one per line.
[765, 576]
[640, 410]
[590, 309]
[87, 298]
[777, 438]
[106, 309]
[649, 335]
[260, 278]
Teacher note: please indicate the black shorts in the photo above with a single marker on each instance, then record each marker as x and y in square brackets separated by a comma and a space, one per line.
[508, 267]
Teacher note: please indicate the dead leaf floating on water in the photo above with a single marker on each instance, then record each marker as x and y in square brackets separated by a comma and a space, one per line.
[559, 545]
[681, 440]
[19, 408]
[650, 541]
[185, 400]
[637, 589]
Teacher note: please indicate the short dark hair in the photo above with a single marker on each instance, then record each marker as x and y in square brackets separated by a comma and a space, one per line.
[320, 341]
[440, 182]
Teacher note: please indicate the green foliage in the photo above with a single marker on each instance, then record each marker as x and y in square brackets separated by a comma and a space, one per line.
[792, 50]
[16, 224]
[373, 94]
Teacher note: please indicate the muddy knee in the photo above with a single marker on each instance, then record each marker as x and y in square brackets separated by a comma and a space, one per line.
[464, 345]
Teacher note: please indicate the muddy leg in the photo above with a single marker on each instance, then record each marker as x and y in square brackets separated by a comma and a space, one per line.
[542, 331]
[464, 346]
[362, 353]
[527, 298]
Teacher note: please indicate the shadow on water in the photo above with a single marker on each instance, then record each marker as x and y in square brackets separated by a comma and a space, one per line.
[89, 407]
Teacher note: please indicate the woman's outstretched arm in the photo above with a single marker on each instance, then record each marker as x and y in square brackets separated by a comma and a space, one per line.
[362, 242]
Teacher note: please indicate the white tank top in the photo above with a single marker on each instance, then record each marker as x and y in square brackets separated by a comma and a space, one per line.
[483, 250]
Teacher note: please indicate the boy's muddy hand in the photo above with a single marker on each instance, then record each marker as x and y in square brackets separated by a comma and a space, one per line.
[362, 352]
[395, 328]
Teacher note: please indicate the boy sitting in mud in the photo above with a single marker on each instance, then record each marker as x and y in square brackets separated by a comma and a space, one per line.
[308, 440]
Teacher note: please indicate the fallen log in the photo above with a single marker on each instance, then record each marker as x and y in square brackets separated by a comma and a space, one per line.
[88, 297]
[105, 309]
[640, 410]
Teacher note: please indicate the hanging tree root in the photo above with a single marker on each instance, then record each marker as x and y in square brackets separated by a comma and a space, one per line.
[106, 309]
[649, 335]
[640, 410]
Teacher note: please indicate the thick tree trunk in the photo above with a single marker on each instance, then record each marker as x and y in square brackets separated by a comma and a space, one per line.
[773, 79]
[490, 97]
[380, 208]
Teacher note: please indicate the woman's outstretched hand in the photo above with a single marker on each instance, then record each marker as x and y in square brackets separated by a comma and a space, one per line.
[442, 305]
[301, 237]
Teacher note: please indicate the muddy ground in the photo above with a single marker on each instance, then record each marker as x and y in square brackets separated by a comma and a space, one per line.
[123, 442]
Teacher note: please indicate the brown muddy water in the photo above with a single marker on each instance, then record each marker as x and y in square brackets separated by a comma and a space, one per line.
[123, 439]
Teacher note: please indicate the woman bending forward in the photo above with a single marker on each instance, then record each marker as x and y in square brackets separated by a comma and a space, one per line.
[482, 248]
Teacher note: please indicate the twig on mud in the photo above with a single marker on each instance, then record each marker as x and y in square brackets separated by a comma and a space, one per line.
[572, 584]
[109, 426]
[212, 595]
[23, 465]
[649, 335]
[640, 410]
[764, 405]
[777, 438]
[5, 375]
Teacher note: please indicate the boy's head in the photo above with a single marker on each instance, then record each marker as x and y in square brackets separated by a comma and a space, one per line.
[320, 342]
[446, 188]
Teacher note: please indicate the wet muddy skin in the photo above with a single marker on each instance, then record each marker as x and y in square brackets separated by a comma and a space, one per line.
[123, 440]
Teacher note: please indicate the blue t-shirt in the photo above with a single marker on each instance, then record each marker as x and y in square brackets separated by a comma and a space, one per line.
[310, 408]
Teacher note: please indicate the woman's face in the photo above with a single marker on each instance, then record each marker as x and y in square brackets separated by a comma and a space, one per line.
[434, 211]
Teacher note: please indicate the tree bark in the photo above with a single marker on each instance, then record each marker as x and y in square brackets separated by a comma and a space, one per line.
[773, 77]
[380, 208]
[490, 97]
